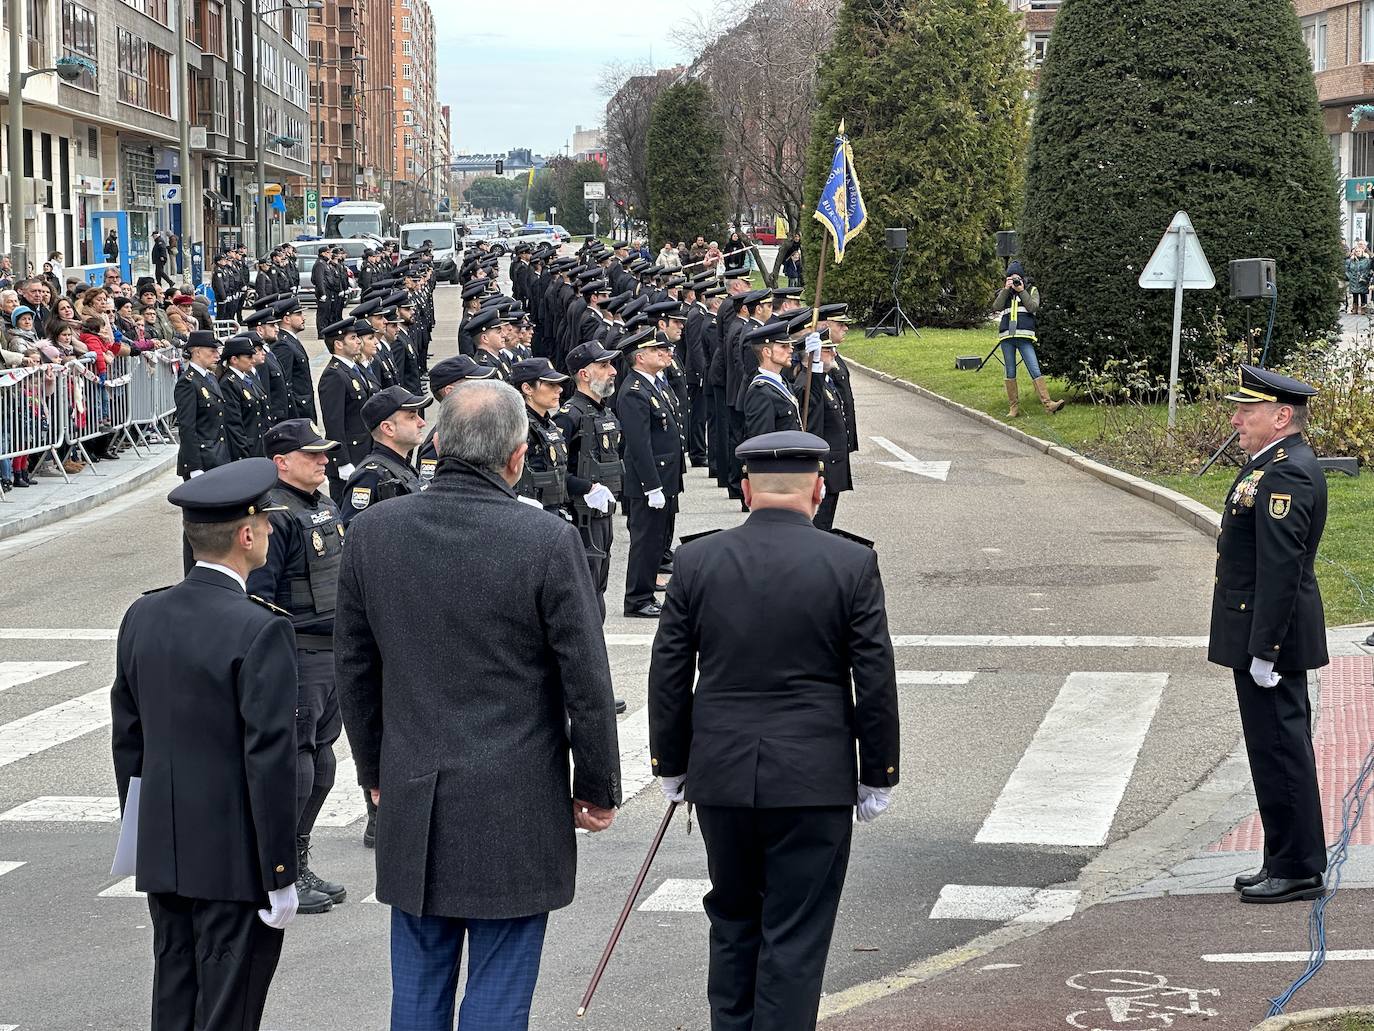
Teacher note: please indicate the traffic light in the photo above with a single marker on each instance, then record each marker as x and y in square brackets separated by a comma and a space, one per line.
[500, 166]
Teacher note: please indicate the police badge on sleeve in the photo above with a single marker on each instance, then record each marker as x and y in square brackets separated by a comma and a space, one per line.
[361, 497]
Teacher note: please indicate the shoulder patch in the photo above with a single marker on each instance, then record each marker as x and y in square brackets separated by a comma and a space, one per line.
[635, 385]
[688, 538]
[268, 605]
[361, 497]
[852, 537]
[155, 590]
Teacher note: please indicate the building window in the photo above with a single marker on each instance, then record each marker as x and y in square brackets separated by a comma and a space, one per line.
[79, 40]
[159, 81]
[409, 141]
[408, 117]
[238, 44]
[407, 47]
[1367, 31]
[1314, 35]
[407, 71]
[133, 68]
[1037, 48]
[154, 9]
[405, 23]
[407, 94]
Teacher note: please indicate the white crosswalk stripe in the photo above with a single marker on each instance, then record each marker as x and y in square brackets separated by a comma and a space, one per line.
[1070, 780]
[1000, 904]
[122, 889]
[55, 725]
[12, 674]
[10, 865]
[676, 895]
[935, 677]
[65, 809]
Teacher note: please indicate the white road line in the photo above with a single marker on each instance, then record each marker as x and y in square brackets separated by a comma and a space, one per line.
[55, 725]
[1042, 641]
[371, 900]
[122, 889]
[1000, 904]
[676, 895]
[636, 772]
[9, 1027]
[934, 677]
[65, 809]
[9, 866]
[908, 462]
[23, 633]
[1333, 955]
[12, 674]
[1071, 778]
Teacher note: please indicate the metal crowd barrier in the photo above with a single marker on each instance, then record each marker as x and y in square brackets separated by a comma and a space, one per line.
[44, 407]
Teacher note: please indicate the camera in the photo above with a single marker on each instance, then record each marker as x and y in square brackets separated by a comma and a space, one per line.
[1017, 282]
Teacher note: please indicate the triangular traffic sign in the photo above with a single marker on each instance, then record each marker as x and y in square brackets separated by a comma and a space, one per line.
[1161, 272]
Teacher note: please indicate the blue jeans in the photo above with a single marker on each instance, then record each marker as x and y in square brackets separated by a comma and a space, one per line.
[1027, 349]
[503, 966]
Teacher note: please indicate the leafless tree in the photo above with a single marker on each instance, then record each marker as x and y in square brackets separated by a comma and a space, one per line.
[630, 91]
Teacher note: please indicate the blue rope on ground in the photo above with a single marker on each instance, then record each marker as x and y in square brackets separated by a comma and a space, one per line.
[1352, 809]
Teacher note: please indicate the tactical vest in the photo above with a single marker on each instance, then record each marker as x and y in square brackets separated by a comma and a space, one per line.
[598, 451]
[310, 596]
[404, 479]
[545, 477]
[1016, 321]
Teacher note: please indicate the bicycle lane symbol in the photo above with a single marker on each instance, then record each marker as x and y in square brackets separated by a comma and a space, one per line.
[1136, 999]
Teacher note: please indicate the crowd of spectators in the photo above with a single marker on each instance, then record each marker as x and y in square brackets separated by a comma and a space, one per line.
[46, 328]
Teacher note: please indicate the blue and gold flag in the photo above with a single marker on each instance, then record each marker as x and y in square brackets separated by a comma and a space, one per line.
[841, 208]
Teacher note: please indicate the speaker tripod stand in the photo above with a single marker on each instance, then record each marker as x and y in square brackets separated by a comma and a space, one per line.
[891, 324]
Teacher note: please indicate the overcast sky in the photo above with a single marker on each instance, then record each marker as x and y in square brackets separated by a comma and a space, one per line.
[523, 73]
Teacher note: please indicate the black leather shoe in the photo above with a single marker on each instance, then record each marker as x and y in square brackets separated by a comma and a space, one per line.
[619, 706]
[649, 610]
[1249, 880]
[1284, 889]
[310, 902]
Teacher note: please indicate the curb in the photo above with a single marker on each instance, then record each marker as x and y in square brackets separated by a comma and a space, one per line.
[1298, 1020]
[86, 502]
[1198, 516]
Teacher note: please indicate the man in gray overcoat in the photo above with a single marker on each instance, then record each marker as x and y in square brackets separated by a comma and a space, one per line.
[462, 713]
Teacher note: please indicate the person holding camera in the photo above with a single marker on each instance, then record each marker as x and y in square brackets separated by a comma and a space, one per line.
[1018, 301]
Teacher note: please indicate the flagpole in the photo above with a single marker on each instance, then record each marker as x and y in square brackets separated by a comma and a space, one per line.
[815, 319]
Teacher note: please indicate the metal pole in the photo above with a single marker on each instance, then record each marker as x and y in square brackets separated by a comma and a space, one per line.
[18, 250]
[260, 208]
[188, 210]
[319, 141]
[1178, 328]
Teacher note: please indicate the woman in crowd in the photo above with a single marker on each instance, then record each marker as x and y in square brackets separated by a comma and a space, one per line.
[1357, 275]
[736, 252]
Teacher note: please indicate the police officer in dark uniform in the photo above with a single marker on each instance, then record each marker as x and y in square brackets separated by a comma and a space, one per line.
[769, 404]
[653, 468]
[293, 358]
[595, 471]
[202, 430]
[545, 477]
[245, 402]
[787, 627]
[1269, 629]
[263, 329]
[403, 354]
[301, 575]
[393, 417]
[206, 731]
[343, 390]
[828, 418]
[446, 375]
[488, 334]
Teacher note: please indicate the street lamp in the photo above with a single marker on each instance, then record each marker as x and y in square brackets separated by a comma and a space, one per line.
[68, 69]
[360, 112]
[259, 144]
[320, 64]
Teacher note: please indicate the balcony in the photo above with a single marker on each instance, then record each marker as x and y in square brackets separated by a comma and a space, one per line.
[1349, 84]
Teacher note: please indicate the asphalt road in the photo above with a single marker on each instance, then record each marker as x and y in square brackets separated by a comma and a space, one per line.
[995, 574]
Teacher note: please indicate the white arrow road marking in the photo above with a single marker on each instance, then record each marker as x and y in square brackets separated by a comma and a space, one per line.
[908, 462]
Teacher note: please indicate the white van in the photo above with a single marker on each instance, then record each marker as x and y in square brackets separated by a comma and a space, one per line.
[354, 218]
[443, 241]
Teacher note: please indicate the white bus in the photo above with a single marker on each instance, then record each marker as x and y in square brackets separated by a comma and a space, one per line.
[354, 218]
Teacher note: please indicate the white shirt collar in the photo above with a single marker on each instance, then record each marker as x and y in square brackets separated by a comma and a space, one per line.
[1267, 447]
[767, 374]
[347, 361]
[233, 575]
[652, 379]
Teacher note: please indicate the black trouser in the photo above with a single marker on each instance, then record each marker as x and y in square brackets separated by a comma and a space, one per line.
[318, 723]
[665, 565]
[736, 467]
[776, 879]
[825, 514]
[696, 424]
[648, 537]
[597, 533]
[160, 274]
[719, 437]
[1278, 740]
[321, 316]
[212, 963]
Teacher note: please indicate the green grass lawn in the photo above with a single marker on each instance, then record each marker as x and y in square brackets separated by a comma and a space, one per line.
[1345, 564]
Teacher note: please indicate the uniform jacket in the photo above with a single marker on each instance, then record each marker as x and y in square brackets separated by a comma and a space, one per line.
[209, 726]
[281, 400]
[295, 365]
[770, 406]
[1265, 603]
[342, 393]
[474, 730]
[245, 408]
[774, 720]
[201, 423]
[828, 417]
[383, 475]
[653, 442]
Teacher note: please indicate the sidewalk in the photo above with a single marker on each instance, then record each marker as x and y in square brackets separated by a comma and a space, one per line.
[1177, 950]
[52, 498]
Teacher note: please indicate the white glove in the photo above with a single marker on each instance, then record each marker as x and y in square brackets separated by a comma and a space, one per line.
[533, 503]
[656, 498]
[822, 490]
[599, 498]
[813, 344]
[673, 787]
[345, 471]
[283, 902]
[1262, 673]
[197, 472]
[873, 802]
[817, 367]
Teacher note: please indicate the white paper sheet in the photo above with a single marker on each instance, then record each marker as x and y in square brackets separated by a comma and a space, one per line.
[126, 852]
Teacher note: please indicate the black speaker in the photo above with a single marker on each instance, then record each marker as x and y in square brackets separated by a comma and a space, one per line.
[1253, 279]
[896, 239]
[1008, 244]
